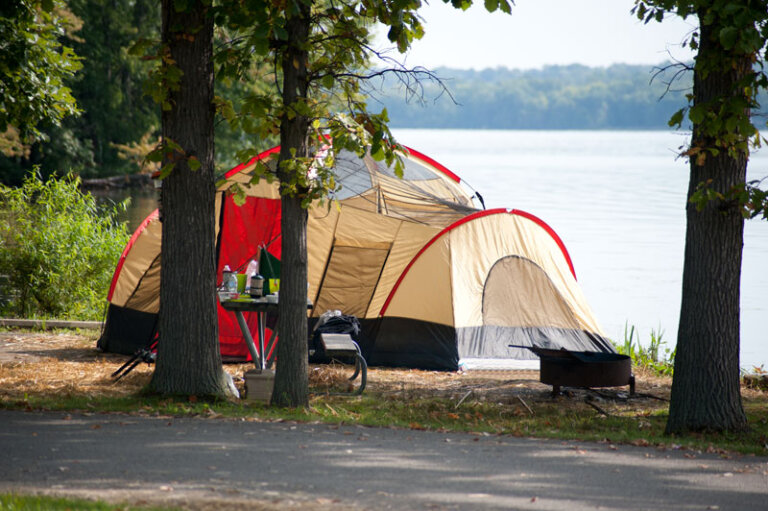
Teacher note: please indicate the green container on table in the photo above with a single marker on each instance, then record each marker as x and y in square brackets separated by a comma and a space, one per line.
[241, 278]
[269, 268]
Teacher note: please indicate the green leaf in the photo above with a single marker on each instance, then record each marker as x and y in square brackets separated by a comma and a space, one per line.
[697, 114]
[173, 146]
[491, 5]
[139, 48]
[194, 163]
[677, 118]
[728, 37]
[61, 245]
[239, 195]
[156, 155]
[280, 33]
[166, 170]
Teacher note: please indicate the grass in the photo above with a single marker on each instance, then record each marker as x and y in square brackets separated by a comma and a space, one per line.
[649, 357]
[584, 418]
[13, 502]
[68, 375]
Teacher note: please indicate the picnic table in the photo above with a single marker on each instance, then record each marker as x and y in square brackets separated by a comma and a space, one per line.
[261, 306]
[332, 344]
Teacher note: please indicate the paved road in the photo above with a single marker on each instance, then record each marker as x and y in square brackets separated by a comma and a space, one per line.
[316, 466]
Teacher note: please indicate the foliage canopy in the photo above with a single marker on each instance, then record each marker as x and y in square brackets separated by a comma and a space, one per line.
[340, 59]
[34, 66]
[725, 122]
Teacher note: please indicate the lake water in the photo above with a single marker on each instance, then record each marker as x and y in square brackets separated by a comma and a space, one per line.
[617, 199]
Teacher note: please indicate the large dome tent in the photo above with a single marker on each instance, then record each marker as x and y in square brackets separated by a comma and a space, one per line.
[432, 279]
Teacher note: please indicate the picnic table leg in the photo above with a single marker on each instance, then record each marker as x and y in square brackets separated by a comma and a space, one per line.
[262, 320]
[269, 347]
[248, 339]
[362, 367]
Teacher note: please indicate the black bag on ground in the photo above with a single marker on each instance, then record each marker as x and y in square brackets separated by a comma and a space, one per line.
[331, 322]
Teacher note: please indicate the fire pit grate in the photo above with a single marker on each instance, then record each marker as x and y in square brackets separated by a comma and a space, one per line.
[564, 368]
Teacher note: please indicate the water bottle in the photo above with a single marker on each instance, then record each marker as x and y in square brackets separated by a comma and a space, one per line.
[251, 270]
[231, 286]
[228, 288]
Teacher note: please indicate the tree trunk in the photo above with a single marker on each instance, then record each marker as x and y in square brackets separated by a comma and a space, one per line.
[291, 378]
[705, 390]
[188, 360]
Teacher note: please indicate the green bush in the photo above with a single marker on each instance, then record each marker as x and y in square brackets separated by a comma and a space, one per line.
[58, 250]
[648, 357]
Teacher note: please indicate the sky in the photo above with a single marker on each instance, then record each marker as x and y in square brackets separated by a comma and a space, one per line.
[596, 33]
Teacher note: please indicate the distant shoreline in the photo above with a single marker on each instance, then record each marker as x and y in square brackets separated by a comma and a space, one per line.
[136, 181]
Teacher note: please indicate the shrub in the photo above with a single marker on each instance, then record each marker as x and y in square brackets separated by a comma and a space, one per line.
[58, 250]
[648, 357]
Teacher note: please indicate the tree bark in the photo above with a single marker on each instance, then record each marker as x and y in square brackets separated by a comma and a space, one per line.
[705, 389]
[291, 377]
[188, 359]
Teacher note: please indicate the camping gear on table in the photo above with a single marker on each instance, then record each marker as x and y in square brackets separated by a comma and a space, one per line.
[564, 368]
[432, 279]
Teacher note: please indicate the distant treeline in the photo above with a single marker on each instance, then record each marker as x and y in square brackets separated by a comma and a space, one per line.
[119, 123]
[555, 97]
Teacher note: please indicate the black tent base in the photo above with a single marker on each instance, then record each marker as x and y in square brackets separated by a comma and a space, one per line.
[389, 341]
[126, 331]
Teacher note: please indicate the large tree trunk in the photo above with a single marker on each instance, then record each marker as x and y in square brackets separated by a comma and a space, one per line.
[188, 360]
[705, 389]
[291, 378]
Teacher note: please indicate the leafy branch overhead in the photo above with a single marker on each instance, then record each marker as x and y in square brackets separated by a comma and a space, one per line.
[749, 198]
[34, 65]
[250, 39]
[724, 123]
[341, 58]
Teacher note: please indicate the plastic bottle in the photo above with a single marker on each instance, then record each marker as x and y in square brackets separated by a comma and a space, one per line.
[253, 268]
[228, 289]
[232, 286]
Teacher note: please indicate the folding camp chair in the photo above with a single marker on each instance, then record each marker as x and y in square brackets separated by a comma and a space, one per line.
[147, 354]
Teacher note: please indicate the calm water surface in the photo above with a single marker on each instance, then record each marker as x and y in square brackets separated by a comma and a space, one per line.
[617, 199]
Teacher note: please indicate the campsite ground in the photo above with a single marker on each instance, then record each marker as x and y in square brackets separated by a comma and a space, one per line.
[40, 371]
[66, 363]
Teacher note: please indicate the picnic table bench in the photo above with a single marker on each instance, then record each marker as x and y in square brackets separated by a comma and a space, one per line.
[337, 346]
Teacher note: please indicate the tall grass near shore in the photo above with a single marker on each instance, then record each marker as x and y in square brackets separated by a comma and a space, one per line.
[648, 356]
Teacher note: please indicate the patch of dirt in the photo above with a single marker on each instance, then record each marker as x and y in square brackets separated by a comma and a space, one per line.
[69, 364]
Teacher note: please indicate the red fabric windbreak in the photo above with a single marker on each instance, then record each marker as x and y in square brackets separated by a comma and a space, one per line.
[244, 229]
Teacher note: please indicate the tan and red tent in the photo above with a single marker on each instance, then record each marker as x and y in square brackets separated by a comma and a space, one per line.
[432, 279]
